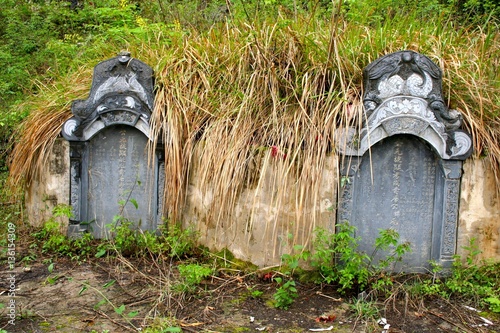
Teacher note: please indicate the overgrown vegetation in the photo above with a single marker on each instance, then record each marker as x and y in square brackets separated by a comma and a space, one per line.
[261, 85]
[336, 260]
[181, 268]
[126, 240]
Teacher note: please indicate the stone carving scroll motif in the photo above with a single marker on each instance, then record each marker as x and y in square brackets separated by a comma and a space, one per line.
[403, 95]
[121, 93]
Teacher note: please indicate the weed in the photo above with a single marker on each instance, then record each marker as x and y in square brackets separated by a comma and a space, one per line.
[54, 241]
[337, 260]
[255, 293]
[163, 325]
[494, 303]
[471, 279]
[121, 310]
[191, 276]
[181, 242]
[128, 240]
[286, 294]
[365, 309]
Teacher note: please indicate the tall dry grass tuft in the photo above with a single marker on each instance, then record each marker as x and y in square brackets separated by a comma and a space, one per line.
[36, 135]
[242, 100]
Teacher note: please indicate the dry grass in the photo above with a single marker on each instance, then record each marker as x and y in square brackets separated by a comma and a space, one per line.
[35, 137]
[245, 98]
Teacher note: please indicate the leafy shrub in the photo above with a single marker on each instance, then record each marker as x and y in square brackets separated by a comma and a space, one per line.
[337, 259]
[54, 242]
[128, 240]
[470, 279]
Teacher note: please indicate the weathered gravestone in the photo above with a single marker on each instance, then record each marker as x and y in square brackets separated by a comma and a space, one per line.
[402, 168]
[111, 174]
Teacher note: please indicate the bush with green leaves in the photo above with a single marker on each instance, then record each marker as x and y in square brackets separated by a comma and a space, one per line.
[337, 259]
[128, 240]
[286, 293]
[50, 234]
[476, 281]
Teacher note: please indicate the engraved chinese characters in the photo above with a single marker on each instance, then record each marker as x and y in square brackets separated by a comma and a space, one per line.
[400, 196]
[402, 166]
[119, 179]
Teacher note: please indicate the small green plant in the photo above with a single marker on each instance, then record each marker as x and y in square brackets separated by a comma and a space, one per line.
[337, 261]
[181, 242]
[286, 294]
[364, 309]
[336, 258]
[121, 310]
[163, 325]
[469, 278]
[290, 262]
[128, 240]
[191, 276]
[50, 234]
[494, 303]
[54, 241]
[255, 293]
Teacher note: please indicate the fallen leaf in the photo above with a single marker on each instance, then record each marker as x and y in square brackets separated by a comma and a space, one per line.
[326, 318]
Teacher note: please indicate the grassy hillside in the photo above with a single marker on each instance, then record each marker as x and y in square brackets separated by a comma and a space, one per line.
[262, 76]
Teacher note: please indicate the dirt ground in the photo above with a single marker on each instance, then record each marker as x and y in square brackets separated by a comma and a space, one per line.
[81, 297]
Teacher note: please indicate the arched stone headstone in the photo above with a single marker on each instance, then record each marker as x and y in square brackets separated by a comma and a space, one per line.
[402, 168]
[109, 132]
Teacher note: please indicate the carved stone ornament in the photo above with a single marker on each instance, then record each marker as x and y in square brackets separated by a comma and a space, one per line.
[401, 168]
[403, 95]
[121, 93]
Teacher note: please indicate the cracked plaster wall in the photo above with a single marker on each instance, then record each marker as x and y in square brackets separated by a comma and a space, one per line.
[51, 189]
[479, 217]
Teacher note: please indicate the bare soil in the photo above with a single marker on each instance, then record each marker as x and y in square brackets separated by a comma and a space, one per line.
[78, 297]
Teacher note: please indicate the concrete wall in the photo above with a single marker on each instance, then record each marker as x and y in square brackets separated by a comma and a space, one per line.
[259, 229]
[51, 189]
[479, 217]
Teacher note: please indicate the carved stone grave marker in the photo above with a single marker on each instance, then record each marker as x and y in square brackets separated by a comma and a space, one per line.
[402, 170]
[111, 174]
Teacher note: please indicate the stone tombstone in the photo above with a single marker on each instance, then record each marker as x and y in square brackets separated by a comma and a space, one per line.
[401, 168]
[111, 172]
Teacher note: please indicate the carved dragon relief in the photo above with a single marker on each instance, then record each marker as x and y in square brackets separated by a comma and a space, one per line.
[403, 95]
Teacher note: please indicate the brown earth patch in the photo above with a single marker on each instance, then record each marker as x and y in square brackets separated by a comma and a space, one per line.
[80, 297]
